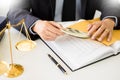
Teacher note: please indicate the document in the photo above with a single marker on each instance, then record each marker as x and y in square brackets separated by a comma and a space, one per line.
[77, 53]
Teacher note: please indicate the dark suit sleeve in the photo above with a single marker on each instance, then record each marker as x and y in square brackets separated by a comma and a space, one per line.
[118, 26]
[107, 8]
[113, 15]
[19, 11]
[3, 22]
[110, 8]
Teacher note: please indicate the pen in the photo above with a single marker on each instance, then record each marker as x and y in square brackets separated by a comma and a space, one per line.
[57, 64]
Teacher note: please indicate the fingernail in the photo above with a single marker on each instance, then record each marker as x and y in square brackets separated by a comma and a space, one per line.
[99, 39]
[108, 40]
[93, 37]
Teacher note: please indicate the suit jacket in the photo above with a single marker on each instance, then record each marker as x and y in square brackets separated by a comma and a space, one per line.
[3, 22]
[107, 7]
[32, 10]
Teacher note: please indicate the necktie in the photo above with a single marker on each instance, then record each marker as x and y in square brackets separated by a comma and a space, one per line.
[69, 9]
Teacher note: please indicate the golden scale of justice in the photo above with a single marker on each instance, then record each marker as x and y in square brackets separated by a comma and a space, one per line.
[14, 70]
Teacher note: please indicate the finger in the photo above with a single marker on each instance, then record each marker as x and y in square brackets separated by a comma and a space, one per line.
[89, 27]
[109, 36]
[56, 25]
[48, 36]
[105, 33]
[54, 30]
[59, 26]
[49, 39]
[94, 28]
[98, 32]
[51, 34]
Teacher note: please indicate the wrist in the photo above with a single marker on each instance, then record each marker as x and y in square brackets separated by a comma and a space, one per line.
[34, 28]
[114, 18]
[111, 21]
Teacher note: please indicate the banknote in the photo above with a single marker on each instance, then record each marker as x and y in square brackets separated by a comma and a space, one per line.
[74, 32]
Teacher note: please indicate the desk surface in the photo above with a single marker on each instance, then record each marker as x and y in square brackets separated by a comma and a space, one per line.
[37, 65]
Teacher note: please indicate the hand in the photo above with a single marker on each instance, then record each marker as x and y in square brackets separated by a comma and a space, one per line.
[101, 29]
[47, 30]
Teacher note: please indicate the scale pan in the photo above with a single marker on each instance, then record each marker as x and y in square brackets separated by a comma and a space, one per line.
[15, 70]
[25, 45]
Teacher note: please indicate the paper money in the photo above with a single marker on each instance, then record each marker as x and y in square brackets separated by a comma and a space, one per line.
[74, 32]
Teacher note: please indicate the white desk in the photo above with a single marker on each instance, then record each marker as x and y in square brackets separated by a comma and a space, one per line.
[37, 65]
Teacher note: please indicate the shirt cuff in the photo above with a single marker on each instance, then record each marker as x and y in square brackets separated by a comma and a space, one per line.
[30, 29]
[114, 18]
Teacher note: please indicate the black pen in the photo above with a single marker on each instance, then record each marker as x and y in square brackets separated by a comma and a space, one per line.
[57, 64]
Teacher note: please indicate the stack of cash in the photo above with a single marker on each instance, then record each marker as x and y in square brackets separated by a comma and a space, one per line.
[76, 33]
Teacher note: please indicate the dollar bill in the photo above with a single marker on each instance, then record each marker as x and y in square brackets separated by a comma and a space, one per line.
[74, 32]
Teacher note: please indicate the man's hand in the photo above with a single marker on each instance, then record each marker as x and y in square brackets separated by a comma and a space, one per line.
[47, 30]
[101, 29]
